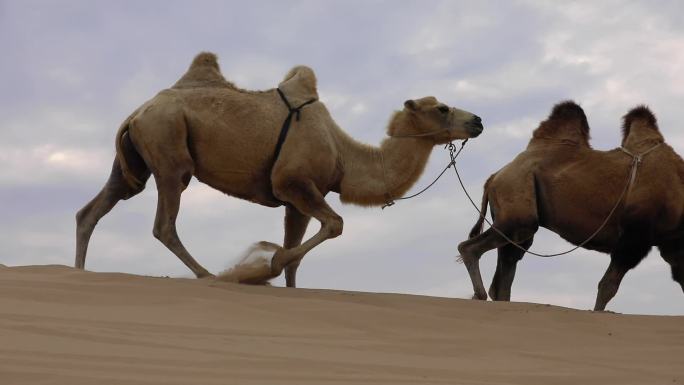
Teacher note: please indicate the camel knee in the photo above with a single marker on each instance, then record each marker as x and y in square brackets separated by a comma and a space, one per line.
[81, 216]
[334, 226]
[85, 221]
[462, 247]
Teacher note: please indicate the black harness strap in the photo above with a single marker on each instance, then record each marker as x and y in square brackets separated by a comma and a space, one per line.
[286, 123]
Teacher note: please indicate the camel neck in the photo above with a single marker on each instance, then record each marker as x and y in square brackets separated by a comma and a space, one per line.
[371, 173]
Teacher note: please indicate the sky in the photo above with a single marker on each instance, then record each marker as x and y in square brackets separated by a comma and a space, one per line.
[73, 70]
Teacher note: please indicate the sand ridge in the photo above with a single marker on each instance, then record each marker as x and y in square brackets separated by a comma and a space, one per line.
[59, 325]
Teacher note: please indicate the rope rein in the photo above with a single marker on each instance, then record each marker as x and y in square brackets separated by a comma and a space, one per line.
[431, 133]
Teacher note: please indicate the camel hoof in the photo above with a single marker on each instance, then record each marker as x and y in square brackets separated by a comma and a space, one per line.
[480, 296]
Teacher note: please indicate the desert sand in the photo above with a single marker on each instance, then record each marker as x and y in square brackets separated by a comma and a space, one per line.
[59, 325]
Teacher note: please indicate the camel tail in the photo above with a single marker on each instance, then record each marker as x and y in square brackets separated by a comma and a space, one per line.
[126, 150]
[477, 229]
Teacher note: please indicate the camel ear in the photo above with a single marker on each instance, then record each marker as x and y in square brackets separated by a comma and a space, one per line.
[410, 105]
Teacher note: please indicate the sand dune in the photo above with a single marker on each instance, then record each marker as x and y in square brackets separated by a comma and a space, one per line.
[63, 326]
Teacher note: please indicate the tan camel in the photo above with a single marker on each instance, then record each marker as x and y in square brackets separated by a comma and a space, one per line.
[560, 183]
[225, 136]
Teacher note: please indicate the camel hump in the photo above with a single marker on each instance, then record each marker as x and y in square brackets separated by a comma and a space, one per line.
[299, 85]
[203, 72]
[567, 109]
[641, 112]
[566, 121]
[205, 59]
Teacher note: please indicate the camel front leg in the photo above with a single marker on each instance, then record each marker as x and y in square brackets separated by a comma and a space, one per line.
[630, 250]
[309, 201]
[626, 256]
[295, 228]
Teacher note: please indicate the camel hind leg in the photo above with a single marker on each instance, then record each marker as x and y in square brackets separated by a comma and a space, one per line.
[161, 135]
[472, 250]
[170, 186]
[514, 212]
[507, 261]
[113, 191]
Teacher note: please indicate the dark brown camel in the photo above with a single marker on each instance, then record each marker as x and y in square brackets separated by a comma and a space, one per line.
[561, 184]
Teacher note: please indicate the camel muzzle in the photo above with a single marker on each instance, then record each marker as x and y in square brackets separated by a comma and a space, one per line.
[475, 126]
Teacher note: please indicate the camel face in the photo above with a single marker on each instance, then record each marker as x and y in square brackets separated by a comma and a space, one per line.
[448, 123]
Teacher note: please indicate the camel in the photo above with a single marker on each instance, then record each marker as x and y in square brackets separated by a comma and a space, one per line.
[226, 137]
[560, 183]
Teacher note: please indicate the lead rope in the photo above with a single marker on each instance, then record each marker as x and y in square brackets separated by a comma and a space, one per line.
[389, 201]
[631, 177]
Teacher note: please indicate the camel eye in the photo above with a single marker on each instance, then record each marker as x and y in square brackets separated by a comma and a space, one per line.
[443, 109]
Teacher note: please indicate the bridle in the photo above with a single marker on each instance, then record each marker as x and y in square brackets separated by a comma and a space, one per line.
[431, 133]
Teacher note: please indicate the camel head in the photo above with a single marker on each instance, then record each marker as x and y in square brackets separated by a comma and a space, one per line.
[567, 121]
[430, 119]
[639, 125]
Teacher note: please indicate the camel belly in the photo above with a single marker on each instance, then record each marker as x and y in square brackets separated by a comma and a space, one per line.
[230, 171]
[575, 213]
[233, 154]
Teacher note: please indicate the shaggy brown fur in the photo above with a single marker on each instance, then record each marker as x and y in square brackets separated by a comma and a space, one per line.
[565, 117]
[206, 127]
[638, 113]
[569, 189]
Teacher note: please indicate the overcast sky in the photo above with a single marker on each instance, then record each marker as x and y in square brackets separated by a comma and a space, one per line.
[73, 70]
